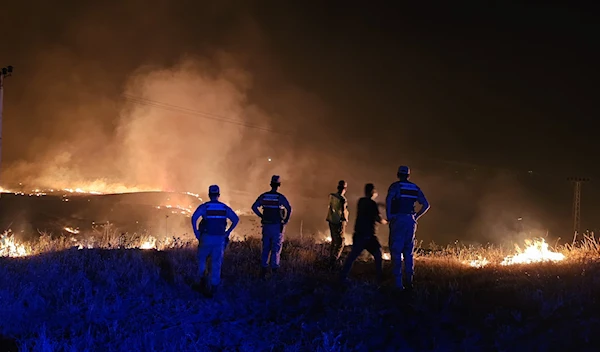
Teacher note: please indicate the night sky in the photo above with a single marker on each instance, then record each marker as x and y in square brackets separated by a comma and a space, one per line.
[506, 85]
[456, 91]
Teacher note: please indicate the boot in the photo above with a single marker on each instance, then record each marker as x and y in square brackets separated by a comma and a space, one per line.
[210, 291]
[213, 290]
[408, 286]
[200, 287]
[398, 286]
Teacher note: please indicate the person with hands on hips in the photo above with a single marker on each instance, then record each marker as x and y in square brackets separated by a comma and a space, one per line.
[276, 212]
[213, 236]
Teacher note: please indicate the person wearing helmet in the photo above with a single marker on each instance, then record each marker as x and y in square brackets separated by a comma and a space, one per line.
[276, 212]
[337, 217]
[367, 218]
[213, 235]
[400, 210]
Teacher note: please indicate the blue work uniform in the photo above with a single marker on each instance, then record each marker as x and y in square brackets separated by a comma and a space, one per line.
[212, 235]
[276, 212]
[400, 209]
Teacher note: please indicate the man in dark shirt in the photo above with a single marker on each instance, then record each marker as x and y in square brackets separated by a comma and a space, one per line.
[364, 232]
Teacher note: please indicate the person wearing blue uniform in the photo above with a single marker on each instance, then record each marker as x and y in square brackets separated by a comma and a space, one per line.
[400, 211]
[276, 212]
[213, 236]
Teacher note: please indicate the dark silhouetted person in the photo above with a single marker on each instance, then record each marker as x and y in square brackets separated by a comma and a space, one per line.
[365, 227]
[276, 212]
[213, 235]
[400, 208]
[337, 217]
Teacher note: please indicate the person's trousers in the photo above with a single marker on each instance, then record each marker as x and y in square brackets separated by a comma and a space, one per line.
[337, 240]
[360, 243]
[214, 253]
[272, 239]
[402, 243]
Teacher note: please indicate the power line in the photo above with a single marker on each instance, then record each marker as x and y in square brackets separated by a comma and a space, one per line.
[145, 101]
[220, 118]
[202, 114]
[210, 116]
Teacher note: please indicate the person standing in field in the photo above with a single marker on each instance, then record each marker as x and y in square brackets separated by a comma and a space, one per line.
[213, 236]
[400, 211]
[337, 217]
[276, 213]
[367, 218]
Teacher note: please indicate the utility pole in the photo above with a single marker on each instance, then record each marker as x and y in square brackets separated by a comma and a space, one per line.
[577, 181]
[4, 72]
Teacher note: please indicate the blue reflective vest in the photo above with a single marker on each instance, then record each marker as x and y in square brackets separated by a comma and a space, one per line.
[214, 221]
[272, 208]
[404, 196]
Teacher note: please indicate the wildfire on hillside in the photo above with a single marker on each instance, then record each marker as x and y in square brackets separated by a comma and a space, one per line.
[536, 251]
[177, 209]
[9, 247]
[478, 263]
[101, 188]
[149, 244]
[94, 188]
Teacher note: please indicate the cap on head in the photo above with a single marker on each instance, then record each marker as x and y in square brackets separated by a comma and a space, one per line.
[404, 170]
[342, 185]
[275, 180]
[214, 190]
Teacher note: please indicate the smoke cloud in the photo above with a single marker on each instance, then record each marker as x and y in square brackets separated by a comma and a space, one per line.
[111, 98]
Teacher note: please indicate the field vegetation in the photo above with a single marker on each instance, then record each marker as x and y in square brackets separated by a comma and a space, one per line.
[107, 294]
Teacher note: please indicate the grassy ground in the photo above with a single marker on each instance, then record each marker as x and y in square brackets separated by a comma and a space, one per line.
[142, 300]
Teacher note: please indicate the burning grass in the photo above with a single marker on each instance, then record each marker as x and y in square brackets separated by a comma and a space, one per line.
[64, 298]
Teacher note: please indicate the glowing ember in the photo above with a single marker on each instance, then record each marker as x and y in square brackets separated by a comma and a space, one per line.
[536, 251]
[177, 209]
[477, 263]
[149, 244]
[11, 248]
[194, 195]
[71, 230]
